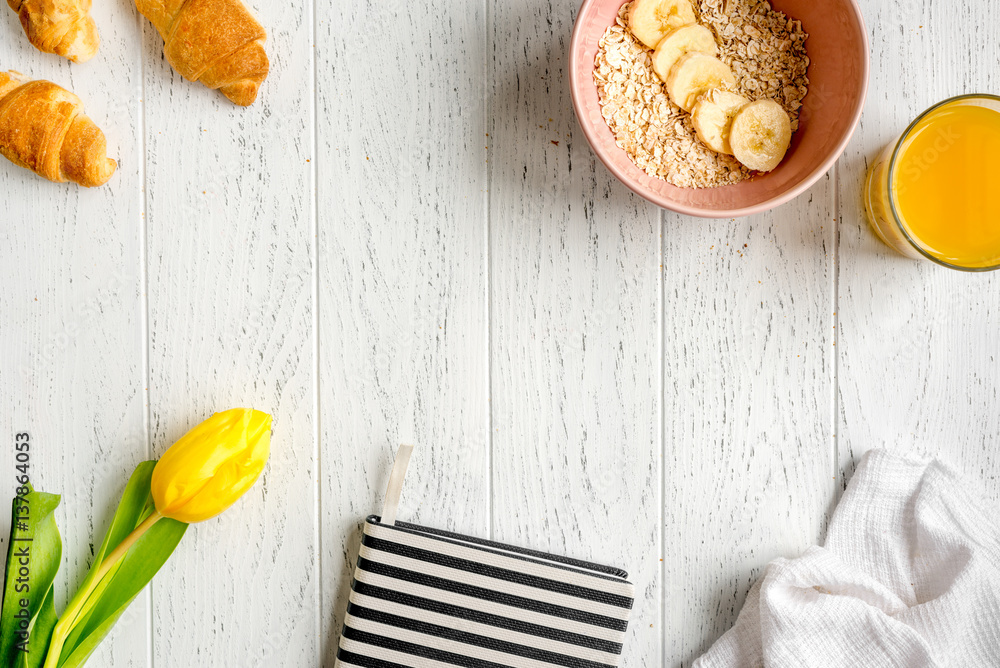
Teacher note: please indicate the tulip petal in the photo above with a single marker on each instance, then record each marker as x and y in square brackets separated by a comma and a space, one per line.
[213, 465]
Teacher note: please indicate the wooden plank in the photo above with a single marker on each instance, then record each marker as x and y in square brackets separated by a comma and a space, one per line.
[930, 335]
[231, 311]
[748, 377]
[72, 310]
[575, 326]
[403, 333]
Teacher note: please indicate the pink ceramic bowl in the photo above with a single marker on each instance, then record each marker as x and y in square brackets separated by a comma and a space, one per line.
[838, 74]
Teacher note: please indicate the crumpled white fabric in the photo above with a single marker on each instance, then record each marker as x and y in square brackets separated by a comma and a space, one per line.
[909, 577]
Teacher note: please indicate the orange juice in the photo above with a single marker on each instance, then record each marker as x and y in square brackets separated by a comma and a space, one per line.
[935, 193]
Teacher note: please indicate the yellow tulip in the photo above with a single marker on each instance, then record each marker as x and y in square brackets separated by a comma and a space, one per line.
[200, 476]
[212, 465]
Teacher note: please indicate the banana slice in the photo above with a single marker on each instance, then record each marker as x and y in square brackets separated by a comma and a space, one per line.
[695, 74]
[712, 117]
[760, 135]
[692, 38]
[651, 20]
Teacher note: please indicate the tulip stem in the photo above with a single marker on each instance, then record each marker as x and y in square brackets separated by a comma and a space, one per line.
[72, 614]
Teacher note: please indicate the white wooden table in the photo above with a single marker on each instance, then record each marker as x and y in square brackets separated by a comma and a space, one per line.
[407, 237]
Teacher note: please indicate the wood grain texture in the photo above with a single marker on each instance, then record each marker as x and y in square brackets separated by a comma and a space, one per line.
[930, 335]
[575, 320]
[403, 272]
[71, 330]
[748, 433]
[231, 273]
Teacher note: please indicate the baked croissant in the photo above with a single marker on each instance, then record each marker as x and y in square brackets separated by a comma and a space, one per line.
[43, 128]
[63, 27]
[216, 42]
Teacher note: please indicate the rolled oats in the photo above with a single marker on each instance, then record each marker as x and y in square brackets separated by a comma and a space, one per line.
[765, 50]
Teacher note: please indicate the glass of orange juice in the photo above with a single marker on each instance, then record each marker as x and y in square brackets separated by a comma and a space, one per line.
[934, 192]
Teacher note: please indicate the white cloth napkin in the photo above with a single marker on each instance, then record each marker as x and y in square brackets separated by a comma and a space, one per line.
[909, 577]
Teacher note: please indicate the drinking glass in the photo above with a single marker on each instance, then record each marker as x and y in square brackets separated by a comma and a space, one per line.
[895, 168]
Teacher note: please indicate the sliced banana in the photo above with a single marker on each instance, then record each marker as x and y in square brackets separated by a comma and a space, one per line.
[692, 38]
[651, 20]
[760, 135]
[712, 117]
[696, 74]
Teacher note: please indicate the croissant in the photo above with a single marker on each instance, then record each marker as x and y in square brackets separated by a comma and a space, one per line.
[63, 27]
[43, 128]
[217, 42]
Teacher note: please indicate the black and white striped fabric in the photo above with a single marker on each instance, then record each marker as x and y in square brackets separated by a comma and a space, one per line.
[423, 598]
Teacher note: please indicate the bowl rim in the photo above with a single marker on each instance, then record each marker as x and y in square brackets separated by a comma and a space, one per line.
[664, 203]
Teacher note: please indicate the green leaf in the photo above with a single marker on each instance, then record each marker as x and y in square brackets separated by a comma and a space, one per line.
[131, 510]
[41, 633]
[35, 546]
[122, 584]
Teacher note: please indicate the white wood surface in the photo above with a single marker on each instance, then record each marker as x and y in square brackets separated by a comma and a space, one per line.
[407, 238]
[931, 337]
[748, 355]
[574, 268]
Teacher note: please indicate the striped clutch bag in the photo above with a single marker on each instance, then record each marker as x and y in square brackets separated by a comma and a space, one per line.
[423, 598]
